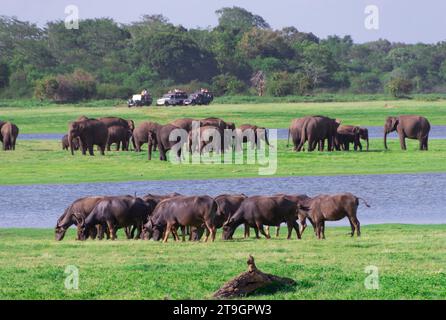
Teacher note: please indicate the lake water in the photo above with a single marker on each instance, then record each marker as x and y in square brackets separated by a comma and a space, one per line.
[404, 198]
[437, 132]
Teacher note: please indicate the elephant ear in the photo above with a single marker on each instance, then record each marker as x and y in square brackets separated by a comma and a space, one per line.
[395, 122]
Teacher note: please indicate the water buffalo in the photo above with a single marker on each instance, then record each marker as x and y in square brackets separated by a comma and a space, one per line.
[258, 211]
[181, 211]
[118, 212]
[332, 208]
[74, 214]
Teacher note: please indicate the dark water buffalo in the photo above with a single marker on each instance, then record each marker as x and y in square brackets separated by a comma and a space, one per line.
[90, 132]
[181, 211]
[118, 212]
[66, 144]
[141, 134]
[227, 205]
[162, 137]
[120, 136]
[8, 135]
[300, 200]
[333, 208]
[160, 197]
[75, 214]
[259, 211]
[317, 129]
[411, 127]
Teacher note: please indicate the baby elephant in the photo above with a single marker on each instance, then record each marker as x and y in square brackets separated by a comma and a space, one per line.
[66, 145]
[333, 208]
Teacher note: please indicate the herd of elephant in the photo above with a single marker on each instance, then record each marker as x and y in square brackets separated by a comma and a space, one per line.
[159, 216]
[84, 133]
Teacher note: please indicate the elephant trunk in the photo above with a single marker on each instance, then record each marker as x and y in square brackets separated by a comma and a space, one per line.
[149, 149]
[385, 139]
[367, 139]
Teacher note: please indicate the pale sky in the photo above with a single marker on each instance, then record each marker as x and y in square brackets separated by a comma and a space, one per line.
[400, 20]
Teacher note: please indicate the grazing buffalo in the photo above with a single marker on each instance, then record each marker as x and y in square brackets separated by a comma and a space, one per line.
[258, 211]
[181, 211]
[75, 214]
[118, 212]
[333, 208]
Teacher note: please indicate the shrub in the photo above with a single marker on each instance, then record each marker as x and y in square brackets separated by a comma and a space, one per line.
[113, 91]
[227, 84]
[398, 87]
[365, 83]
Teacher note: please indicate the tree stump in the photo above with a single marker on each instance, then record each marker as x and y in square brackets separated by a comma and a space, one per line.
[247, 282]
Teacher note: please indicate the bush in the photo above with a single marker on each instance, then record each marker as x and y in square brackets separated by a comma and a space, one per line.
[365, 83]
[113, 91]
[398, 87]
[79, 85]
[227, 84]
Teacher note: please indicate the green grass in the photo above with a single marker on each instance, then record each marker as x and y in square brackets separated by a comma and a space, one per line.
[411, 263]
[44, 162]
[41, 118]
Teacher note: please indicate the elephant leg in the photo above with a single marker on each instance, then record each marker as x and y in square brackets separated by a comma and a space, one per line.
[352, 226]
[402, 141]
[277, 231]
[426, 140]
[118, 145]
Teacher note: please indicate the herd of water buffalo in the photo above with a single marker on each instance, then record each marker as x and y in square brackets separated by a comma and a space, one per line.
[158, 216]
[84, 133]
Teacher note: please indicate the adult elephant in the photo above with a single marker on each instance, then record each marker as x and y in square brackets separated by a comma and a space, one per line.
[346, 135]
[408, 126]
[66, 144]
[8, 135]
[117, 212]
[254, 133]
[120, 136]
[74, 214]
[184, 123]
[115, 121]
[260, 211]
[295, 131]
[166, 137]
[141, 134]
[205, 137]
[317, 129]
[90, 132]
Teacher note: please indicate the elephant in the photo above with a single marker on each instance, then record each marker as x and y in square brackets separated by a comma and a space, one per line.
[317, 129]
[119, 135]
[181, 211]
[295, 131]
[78, 210]
[161, 136]
[364, 135]
[257, 134]
[346, 135]
[118, 212]
[333, 208]
[90, 132]
[258, 211]
[66, 144]
[184, 123]
[8, 135]
[115, 121]
[141, 134]
[204, 139]
[408, 126]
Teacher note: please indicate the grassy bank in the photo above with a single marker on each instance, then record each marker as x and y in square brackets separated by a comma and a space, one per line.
[410, 259]
[54, 118]
[44, 162]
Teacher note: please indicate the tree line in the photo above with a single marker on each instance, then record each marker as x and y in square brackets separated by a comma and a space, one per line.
[241, 55]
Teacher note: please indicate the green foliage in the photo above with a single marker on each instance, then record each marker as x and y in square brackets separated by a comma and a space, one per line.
[227, 84]
[240, 19]
[112, 91]
[79, 85]
[399, 87]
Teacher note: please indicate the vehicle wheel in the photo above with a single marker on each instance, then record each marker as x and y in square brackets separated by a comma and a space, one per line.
[166, 104]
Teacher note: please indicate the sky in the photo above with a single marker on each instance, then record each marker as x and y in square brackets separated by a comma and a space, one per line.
[399, 20]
